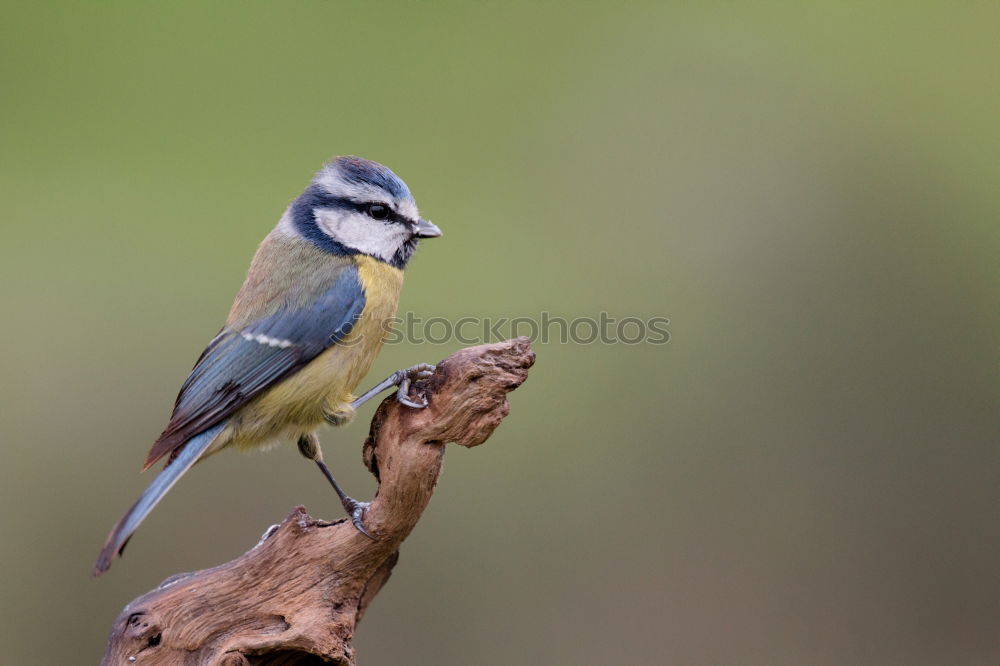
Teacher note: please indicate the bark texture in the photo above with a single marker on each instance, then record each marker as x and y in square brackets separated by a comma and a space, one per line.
[297, 596]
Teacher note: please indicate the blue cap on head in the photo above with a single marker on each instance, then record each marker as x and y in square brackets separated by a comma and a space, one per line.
[365, 172]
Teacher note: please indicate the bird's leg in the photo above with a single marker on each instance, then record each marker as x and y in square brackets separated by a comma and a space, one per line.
[402, 379]
[309, 447]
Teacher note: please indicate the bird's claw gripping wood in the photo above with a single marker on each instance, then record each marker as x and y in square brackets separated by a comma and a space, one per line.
[357, 512]
[309, 444]
[309, 447]
[403, 379]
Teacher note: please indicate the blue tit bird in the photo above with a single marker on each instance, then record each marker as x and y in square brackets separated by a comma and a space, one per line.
[303, 331]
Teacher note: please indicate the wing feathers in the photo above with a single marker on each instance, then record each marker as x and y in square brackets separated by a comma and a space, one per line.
[237, 366]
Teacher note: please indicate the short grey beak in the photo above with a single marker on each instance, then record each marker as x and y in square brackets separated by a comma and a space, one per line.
[426, 229]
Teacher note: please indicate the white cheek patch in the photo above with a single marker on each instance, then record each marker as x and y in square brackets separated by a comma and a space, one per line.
[360, 232]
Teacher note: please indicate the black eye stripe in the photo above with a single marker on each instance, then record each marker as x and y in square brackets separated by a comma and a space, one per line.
[320, 199]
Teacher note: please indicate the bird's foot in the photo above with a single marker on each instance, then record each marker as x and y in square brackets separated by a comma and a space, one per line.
[403, 379]
[356, 511]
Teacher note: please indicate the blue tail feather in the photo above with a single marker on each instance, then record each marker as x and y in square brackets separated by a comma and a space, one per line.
[164, 481]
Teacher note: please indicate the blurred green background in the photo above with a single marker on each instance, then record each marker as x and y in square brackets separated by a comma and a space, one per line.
[809, 473]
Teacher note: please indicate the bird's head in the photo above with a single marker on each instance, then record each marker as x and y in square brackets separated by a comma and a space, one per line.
[356, 206]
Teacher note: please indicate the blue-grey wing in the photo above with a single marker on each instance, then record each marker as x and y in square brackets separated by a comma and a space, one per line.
[238, 365]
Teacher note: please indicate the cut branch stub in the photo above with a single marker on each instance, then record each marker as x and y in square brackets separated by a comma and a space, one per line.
[297, 596]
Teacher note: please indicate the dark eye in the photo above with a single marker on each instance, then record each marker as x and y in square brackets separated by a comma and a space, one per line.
[378, 211]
